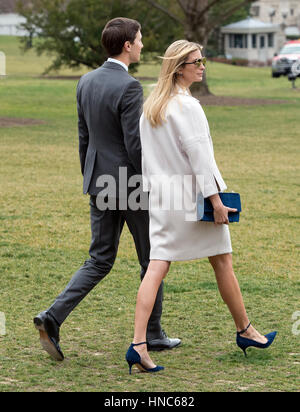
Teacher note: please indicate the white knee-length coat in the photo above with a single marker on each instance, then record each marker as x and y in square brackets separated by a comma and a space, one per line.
[178, 162]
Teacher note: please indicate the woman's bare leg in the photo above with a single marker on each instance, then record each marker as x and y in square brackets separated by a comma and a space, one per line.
[156, 272]
[231, 294]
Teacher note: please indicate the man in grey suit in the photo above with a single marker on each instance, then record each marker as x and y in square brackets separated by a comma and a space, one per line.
[109, 103]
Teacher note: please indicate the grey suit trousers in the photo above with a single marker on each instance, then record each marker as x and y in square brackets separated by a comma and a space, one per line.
[106, 227]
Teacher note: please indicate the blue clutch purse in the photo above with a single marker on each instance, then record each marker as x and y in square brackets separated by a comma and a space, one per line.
[205, 211]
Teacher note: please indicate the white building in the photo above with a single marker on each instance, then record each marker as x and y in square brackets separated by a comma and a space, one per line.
[9, 24]
[251, 39]
[257, 38]
[286, 13]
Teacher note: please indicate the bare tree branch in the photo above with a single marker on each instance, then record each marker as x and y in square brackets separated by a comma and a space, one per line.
[183, 5]
[229, 13]
[201, 12]
[192, 6]
[209, 6]
[180, 4]
[195, 8]
[164, 10]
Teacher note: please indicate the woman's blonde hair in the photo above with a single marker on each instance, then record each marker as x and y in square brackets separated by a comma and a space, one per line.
[175, 55]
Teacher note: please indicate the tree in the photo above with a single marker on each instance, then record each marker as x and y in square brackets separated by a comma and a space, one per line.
[200, 18]
[71, 29]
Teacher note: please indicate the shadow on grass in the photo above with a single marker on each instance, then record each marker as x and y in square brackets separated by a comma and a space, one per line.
[254, 357]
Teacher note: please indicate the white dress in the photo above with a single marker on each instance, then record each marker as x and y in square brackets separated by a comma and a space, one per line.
[172, 156]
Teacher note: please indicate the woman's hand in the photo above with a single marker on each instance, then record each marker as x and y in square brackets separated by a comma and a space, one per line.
[220, 211]
[221, 214]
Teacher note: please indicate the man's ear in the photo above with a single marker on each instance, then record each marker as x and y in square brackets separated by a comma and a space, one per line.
[127, 46]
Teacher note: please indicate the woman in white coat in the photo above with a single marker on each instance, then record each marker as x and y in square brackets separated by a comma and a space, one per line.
[176, 144]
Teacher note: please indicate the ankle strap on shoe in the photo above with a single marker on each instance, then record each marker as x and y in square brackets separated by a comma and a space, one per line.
[137, 344]
[244, 330]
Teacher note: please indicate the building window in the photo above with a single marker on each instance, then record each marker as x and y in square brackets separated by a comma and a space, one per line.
[239, 41]
[254, 41]
[270, 40]
[255, 11]
[231, 43]
[262, 42]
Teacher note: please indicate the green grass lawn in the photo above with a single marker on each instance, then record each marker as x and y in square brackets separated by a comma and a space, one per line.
[45, 237]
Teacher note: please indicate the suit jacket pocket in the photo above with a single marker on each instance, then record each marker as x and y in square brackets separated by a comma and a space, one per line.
[88, 168]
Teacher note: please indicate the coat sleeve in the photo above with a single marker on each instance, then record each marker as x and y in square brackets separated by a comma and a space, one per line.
[191, 128]
[83, 132]
[131, 108]
[145, 182]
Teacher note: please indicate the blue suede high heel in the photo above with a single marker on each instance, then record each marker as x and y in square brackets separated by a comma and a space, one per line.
[245, 343]
[133, 358]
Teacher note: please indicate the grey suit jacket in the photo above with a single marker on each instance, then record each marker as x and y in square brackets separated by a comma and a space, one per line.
[109, 104]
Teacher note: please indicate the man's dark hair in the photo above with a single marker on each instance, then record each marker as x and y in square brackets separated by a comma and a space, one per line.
[116, 32]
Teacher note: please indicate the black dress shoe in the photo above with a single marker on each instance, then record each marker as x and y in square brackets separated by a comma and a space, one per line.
[163, 343]
[49, 335]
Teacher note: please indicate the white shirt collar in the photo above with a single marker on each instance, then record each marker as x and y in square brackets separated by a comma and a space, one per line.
[110, 59]
[181, 90]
